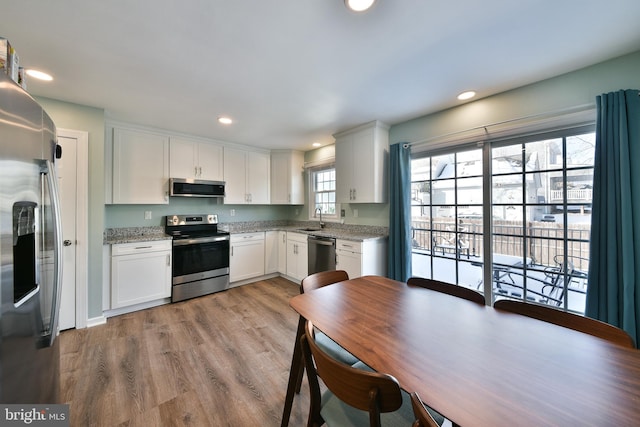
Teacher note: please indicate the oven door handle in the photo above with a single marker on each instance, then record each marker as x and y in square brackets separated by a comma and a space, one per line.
[183, 242]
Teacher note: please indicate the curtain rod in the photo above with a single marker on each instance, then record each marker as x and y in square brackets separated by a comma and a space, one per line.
[564, 111]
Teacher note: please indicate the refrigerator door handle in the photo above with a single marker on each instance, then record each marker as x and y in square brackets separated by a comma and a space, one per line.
[52, 181]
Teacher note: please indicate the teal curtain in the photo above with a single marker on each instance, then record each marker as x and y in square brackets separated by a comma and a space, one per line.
[399, 212]
[613, 293]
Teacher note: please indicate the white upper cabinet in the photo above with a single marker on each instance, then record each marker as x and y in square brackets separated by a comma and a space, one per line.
[247, 177]
[361, 163]
[287, 183]
[140, 167]
[191, 159]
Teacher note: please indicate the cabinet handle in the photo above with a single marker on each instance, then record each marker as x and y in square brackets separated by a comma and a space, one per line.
[231, 250]
[200, 171]
[195, 172]
[355, 194]
[168, 260]
[143, 247]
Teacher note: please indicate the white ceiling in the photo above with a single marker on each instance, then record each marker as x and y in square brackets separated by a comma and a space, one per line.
[293, 72]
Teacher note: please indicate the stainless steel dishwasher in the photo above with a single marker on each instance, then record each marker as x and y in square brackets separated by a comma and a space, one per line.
[322, 253]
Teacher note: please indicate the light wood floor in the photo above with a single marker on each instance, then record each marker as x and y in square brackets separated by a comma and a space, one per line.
[217, 360]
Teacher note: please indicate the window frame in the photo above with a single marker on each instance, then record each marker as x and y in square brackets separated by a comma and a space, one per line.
[312, 193]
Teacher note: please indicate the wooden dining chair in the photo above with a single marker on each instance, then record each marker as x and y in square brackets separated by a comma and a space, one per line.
[355, 396]
[565, 319]
[309, 283]
[423, 417]
[448, 288]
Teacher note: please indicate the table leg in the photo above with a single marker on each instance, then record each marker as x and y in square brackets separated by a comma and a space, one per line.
[295, 375]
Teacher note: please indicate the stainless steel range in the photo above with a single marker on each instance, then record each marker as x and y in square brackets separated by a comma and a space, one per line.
[200, 255]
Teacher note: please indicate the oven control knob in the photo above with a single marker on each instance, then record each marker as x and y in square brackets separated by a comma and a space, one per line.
[175, 220]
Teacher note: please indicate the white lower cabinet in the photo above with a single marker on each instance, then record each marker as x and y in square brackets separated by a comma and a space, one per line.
[246, 258]
[275, 252]
[297, 262]
[140, 272]
[282, 252]
[362, 258]
[271, 251]
[349, 261]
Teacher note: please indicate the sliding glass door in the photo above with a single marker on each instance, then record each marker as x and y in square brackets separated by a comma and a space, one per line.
[539, 211]
[447, 209]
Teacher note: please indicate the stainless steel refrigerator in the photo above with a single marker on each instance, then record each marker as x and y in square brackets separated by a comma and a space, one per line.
[30, 250]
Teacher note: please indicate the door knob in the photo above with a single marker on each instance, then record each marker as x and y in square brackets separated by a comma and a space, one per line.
[67, 243]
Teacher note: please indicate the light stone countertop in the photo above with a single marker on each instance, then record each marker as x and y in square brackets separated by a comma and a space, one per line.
[357, 233]
[113, 236]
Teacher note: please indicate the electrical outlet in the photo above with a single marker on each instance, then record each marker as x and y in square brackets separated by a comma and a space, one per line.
[232, 212]
[342, 213]
[355, 213]
[147, 214]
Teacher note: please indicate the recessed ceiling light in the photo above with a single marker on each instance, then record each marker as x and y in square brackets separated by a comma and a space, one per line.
[39, 75]
[225, 120]
[359, 5]
[316, 144]
[466, 95]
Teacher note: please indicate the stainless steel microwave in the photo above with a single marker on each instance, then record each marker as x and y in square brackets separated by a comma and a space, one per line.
[179, 187]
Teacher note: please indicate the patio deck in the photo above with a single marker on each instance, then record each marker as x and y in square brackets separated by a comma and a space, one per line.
[511, 278]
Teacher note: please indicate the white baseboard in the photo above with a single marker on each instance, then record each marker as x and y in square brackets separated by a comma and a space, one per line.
[253, 279]
[96, 321]
[135, 307]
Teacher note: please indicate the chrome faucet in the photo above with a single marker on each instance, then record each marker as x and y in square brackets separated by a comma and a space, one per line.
[314, 215]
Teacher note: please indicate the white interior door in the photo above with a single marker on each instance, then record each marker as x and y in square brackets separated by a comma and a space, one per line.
[73, 171]
[68, 185]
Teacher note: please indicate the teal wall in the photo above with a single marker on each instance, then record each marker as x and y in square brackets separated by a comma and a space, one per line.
[133, 215]
[556, 94]
[79, 117]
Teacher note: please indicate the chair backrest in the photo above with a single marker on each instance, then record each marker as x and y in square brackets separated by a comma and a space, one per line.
[576, 322]
[322, 278]
[368, 391]
[448, 288]
[423, 417]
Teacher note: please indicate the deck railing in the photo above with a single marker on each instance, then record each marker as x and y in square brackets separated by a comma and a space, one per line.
[581, 195]
[543, 242]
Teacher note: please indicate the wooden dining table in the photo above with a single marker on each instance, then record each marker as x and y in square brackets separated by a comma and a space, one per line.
[476, 365]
